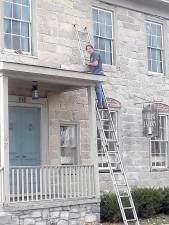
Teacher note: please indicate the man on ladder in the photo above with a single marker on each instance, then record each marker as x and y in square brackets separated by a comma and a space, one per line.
[95, 67]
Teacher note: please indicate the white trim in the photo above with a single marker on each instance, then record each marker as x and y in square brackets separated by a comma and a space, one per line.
[42, 104]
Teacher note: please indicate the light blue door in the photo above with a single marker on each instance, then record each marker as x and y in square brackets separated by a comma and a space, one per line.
[24, 136]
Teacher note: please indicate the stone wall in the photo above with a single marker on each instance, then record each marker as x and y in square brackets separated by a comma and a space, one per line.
[73, 214]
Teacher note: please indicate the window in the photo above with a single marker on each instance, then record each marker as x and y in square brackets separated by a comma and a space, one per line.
[103, 165]
[68, 143]
[159, 145]
[103, 34]
[17, 25]
[155, 47]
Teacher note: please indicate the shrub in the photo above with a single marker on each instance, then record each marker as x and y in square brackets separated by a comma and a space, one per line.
[148, 202]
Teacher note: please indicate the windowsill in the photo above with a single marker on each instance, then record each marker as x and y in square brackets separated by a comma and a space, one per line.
[159, 169]
[11, 51]
[155, 74]
[108, 67]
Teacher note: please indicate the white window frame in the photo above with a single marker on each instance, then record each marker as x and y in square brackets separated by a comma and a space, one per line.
[162, 49]
[13, 19]
[76, 147]
[101, 158]
[112, 39]
[159, 141]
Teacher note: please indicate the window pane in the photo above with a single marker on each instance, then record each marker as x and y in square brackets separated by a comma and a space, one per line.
[108, 18]
[108, 58]
[17, 1]
[96, 42]
[153, 29]
[25, 44]
[102, 30]
[108, 31]
[108, 45]
[25, 2]
[159, 33]
[102, 18]
[159, 55]
[159, 67]
[154, 66]
[95, 28]
[67, 136]
[7, 9]
[159, 42]
[7, 41]
[154, 41]
[103, 57]
[148, 28]
[149, 65]
[16, 42]
[148, 40]
[16, 11]
[16, 27]
[95, 15]
[153, 54]
[7, 26]
[101, 44]
[25, 13]
[25, 29]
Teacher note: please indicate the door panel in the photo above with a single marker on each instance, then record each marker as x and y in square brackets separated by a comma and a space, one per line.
[24, 133]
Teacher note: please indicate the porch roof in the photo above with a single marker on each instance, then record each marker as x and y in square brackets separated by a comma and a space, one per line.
[49, 75]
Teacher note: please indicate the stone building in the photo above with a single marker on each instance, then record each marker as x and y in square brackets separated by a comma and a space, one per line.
[48, 162]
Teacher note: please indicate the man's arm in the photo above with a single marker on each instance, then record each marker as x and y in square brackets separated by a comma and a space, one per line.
[94, 63]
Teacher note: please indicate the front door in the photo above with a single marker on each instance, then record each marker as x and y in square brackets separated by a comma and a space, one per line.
[24, 136]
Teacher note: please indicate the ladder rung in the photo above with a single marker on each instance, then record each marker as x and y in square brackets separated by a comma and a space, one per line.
[126, 208]
[131, 220]
[121, 184]
[125, 196]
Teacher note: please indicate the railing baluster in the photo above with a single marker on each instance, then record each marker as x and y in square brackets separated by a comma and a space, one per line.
[66, 184]
[31, 184]
[45, 181]
[70, 182]
[18, 184]
[62, 181]
[27, 183]
[58, 182]
[36, 183]
[13, 185]
[41, 181]
[54, 183]
[49, 182]
[74, 181]
[23, 185]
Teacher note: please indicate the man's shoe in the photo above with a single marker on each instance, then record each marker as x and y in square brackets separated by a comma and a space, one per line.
[99, 106]
[105, 106]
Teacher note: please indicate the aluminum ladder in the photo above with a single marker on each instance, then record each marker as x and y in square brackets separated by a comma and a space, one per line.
[84, 39]
[111, 152]
[110, 147]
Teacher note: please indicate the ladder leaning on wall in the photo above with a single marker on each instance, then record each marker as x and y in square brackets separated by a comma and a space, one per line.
[110, 145]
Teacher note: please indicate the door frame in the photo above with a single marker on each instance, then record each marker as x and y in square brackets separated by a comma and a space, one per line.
[44, 132]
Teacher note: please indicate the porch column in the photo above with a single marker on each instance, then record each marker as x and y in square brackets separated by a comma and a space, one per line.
[93, 136]
[4, 135]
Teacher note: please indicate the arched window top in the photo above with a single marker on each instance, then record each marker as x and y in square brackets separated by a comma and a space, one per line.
[113, 103]
[163, 108]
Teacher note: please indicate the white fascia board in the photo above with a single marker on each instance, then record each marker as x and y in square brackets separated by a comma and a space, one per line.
[48, 74]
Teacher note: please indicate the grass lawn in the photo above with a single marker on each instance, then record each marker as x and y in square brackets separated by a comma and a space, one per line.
[159, 220]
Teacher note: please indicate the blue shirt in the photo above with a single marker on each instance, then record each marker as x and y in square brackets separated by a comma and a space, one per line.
[95, 56]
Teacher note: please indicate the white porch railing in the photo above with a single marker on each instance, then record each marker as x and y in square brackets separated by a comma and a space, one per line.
[51, 182]
[1, 185]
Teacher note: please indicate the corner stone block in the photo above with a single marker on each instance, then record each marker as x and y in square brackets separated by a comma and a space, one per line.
[90, 218]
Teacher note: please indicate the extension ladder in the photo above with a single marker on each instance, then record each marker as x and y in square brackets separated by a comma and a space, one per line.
[110, 147]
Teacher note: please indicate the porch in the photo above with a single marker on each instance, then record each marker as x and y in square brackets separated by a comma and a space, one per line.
[33, 181]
